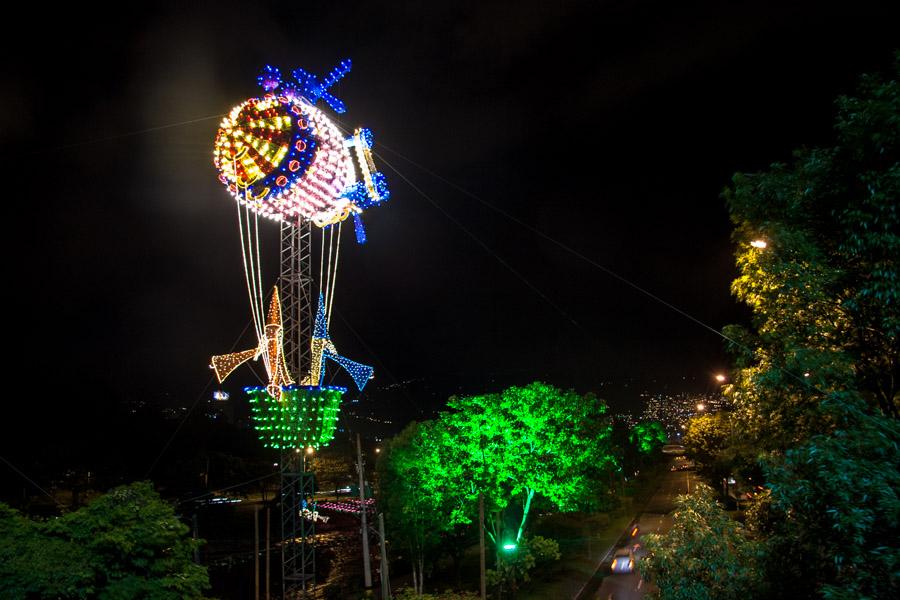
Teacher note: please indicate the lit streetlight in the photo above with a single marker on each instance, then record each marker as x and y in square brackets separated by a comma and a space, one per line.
[720, 378]
[759, 244]
[701, 407]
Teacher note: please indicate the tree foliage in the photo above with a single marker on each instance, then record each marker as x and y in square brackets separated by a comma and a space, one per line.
[125, 544]
[648, 437]
[419, 493]
[514, 448]
[706, 438]
[530, 440]
[835, 500]
[825, 291]
[706, 555]
[816, 385]
[532, 552]
[331, 471]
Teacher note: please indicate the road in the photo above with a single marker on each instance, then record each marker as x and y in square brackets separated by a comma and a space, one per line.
[654, 519]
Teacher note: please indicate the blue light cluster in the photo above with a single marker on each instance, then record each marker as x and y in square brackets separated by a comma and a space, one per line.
[269, 79]
[359, 229]
[320, 329]
[359, 195]
[307, 85]
[301, 151]
[360, 373]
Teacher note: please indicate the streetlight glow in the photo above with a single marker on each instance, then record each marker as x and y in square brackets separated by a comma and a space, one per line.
[701, 407]
[759, 243]
[720, 378]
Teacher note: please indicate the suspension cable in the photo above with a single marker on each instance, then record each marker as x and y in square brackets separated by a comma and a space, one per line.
[337, 255]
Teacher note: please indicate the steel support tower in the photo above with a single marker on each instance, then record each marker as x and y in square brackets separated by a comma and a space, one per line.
[298, 559]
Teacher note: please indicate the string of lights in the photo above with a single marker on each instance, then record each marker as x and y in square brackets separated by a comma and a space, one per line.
[299, 417]
[284, 158]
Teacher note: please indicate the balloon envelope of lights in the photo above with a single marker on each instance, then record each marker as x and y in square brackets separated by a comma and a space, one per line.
[303, 416]
[285, 159]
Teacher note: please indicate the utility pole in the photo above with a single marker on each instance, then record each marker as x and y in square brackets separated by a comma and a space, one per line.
[481, 544]
[367, 569]
[196, 545]
[268, 544]
[256, 552]
[385, 579]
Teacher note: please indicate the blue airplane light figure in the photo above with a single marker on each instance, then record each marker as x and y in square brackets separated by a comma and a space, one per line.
[322, 347]
[308, 85]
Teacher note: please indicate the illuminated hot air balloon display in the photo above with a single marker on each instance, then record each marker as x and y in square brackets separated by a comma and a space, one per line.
[281, 157]
[286, 159]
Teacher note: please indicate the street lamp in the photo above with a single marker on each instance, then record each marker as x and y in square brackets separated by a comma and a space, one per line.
[701, 407]
[720, 378]
[759, 244]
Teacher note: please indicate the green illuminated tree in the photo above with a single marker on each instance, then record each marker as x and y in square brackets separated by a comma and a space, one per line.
[648, 437]
[419, 492]
[125, 544]
[526, 442]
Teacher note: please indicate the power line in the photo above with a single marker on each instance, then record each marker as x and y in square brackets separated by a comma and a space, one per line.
[477, 240]
[193, 406]
[29, 480]
[558, 243]
[484, 246]
[119, 136]
[588, 260]
[380, 362]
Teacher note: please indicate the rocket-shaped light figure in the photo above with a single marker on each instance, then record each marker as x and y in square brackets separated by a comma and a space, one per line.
[270, 348]
[322, 347]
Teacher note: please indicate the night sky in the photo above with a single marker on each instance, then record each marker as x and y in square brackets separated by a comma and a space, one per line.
[610, 127]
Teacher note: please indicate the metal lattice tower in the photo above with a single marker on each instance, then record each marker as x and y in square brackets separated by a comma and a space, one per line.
[297, 309]
[298, 560]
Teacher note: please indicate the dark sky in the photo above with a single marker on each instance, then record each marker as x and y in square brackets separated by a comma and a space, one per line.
[611, 127]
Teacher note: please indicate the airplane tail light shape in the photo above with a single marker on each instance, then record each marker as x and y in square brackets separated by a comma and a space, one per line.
[271, 348]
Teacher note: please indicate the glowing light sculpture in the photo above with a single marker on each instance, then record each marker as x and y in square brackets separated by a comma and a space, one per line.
[299, 417]
[271, 348]
[323, 348]
[285, 159]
